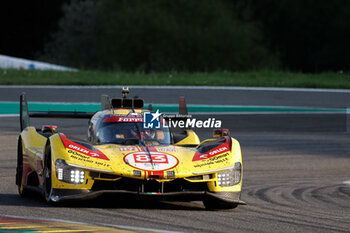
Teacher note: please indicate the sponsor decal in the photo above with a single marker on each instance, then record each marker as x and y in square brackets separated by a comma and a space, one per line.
[214, 160]
[86, 159]
[166, 149]
[122, 119]
[127, 148]
[153, 161]
[81, 149]
[213, 152]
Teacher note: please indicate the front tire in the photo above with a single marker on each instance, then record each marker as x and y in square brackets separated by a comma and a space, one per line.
[47, 184]
[22, 191]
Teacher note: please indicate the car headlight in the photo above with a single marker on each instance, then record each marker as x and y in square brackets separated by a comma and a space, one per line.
[230, 177]
[69, 174]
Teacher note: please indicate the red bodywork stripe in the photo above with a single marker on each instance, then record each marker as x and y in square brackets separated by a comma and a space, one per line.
[155, 173]
[50, 126]
[123, 119]
[225, 147]
[81, 149]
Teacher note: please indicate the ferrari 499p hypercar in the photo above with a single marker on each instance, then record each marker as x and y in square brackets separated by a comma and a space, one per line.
[123, 156]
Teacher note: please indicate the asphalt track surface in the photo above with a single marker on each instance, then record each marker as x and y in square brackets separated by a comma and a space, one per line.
[296, 167]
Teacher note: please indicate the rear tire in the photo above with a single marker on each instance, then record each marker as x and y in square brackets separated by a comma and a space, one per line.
[22, 191]
[211, 204]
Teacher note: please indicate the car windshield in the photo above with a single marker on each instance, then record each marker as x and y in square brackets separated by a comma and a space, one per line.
[131, 133]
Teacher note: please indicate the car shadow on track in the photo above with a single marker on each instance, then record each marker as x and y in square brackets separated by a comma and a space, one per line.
[125, 202]
[104, 202]
[34, 200]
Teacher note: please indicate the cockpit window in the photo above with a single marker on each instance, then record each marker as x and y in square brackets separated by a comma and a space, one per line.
[130, 133]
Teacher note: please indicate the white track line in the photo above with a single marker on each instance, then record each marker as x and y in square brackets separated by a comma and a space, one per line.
[287, 89]
[92, 224]
[9, 115]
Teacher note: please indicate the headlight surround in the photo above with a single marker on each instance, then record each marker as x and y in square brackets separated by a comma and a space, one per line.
[69, 174]
[230, 177]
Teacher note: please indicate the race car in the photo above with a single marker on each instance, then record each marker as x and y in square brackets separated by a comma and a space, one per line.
[122, 155]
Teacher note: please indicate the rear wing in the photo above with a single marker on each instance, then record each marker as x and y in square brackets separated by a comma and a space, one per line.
[183, 113]
[106, 103]
[25, 114]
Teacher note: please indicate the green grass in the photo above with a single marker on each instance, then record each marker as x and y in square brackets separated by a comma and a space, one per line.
[253, 78]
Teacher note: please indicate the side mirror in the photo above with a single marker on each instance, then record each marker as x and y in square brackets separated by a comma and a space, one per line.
[218, 133]
[49, 129]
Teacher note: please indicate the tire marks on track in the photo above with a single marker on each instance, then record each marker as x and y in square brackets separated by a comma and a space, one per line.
[318, 206]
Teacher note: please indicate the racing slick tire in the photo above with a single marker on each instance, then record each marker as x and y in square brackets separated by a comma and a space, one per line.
[22, 191]
[47, 184]
[212, 204]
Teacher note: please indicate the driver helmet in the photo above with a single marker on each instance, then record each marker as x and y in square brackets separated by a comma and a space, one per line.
[149, 134]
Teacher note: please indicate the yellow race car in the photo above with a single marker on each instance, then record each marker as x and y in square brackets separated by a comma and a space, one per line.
[123, 156]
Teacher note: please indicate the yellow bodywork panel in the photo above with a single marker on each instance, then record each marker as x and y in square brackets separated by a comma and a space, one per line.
[191, 139]
[124, 160]
[36, 141]
[33, 145]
